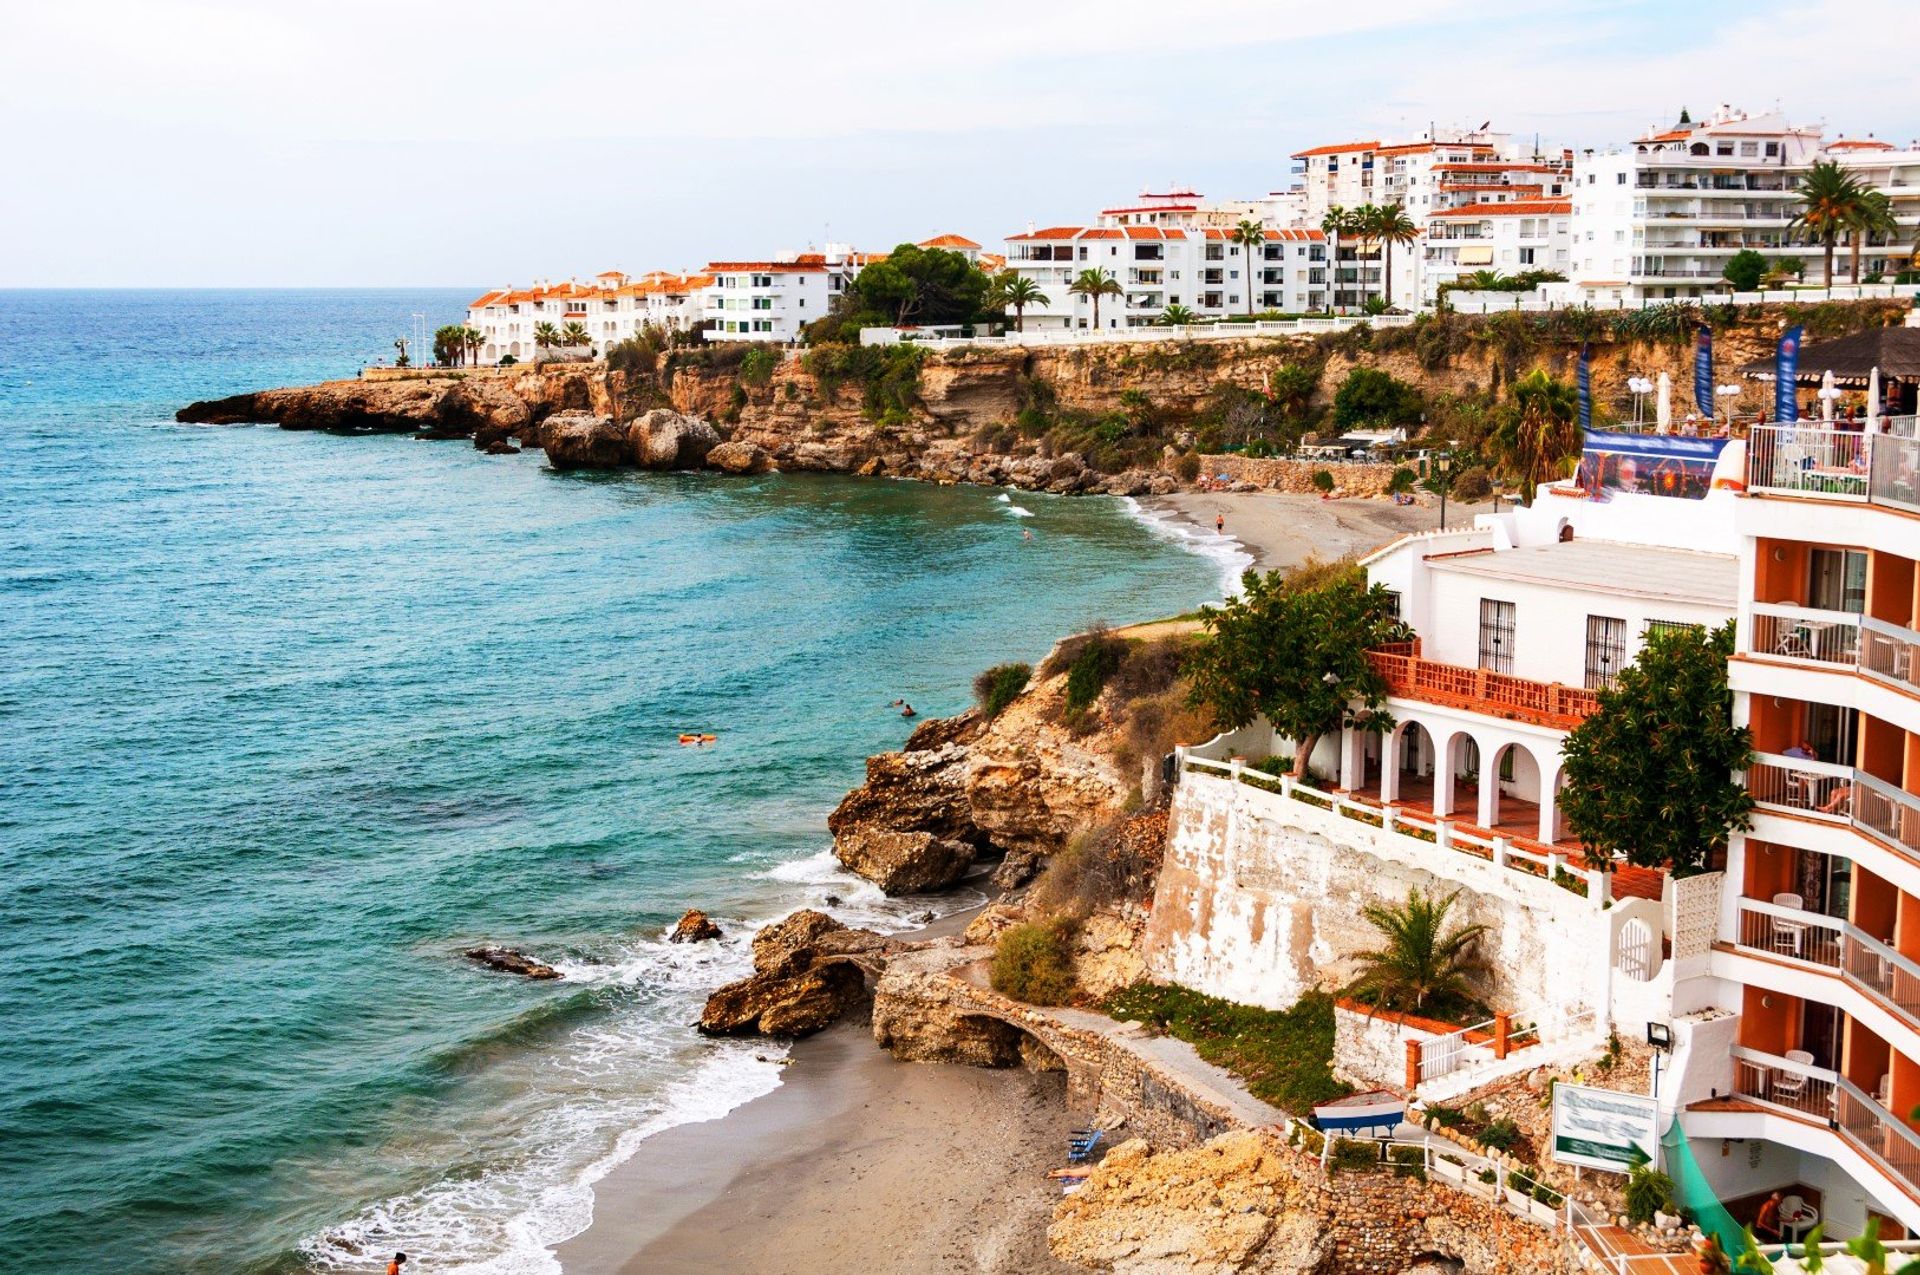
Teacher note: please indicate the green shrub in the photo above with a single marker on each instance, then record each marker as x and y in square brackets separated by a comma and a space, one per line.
[1523, 1179]
[1489, 1177]
[1187, 467]
[1649, 1191]
[1284, 1056]
[1369, 396]
[1547, 1195]
[1409, 1162]
[1350, 1157]
[757, 367]
[1034, 962]
[1500, 1134]
[999, 686]
[1446, 1117]
[1744, 270]
[1402, 480]
[1087, 675]
[1473, 484]
[1323, 480]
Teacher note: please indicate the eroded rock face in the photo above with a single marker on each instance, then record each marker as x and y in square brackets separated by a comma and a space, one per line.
[904, 862]
[917, 1019]
[740, 457]
[508, 961]
[666, 439]
[694, 927]
[436, 408]
[808, 970]
[582, 440]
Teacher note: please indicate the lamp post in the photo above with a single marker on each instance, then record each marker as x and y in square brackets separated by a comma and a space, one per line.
[1640, 387]
[1443, 471]
[1726, 394]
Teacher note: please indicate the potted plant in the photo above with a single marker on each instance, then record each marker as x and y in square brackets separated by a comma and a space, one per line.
[1520, 1184]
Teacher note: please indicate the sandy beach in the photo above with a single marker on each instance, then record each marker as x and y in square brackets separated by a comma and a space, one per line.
[855, 1163]
[1282, 529]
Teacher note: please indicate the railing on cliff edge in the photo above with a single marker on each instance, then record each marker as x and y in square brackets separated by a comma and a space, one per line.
[1523, 855]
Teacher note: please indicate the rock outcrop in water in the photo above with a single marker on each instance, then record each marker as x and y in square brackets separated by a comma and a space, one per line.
[694, 927]
[508, 961]
[808, 970]
[581, 440]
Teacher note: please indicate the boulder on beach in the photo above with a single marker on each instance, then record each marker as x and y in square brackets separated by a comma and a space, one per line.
[694, 927]
[508, 961]
[809, 969]
[904, 862]
[740, 457]
[666, 439]
[582, 440]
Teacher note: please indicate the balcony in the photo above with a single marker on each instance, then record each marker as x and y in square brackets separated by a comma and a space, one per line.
[1839, 794]
[1799, 1089]
[1838, 948]
[1813, 459]
[1886, 652]
[1479, 690]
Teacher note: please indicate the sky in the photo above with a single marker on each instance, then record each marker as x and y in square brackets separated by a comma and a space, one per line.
[165, 143]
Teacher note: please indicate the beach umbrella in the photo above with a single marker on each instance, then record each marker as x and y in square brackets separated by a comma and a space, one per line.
[1827, 395]
[1873, 400]
[1663, 408]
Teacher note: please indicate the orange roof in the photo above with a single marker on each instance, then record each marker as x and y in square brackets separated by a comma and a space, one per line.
[1484, 166]
[1671, 135]
[610, 274]
[948, 241]
[1518, 208]
[1410, 148]
[1860, 144]
[992, 261]
[1338, 149]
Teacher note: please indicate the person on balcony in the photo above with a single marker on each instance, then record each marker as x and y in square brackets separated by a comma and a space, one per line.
[1766, 1223]
[1802, 751]
[1837, 800]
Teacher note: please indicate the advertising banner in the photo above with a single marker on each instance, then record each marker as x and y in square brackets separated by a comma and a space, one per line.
[1647, 465]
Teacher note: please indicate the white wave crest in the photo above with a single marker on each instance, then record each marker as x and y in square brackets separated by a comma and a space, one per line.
[1227, 551]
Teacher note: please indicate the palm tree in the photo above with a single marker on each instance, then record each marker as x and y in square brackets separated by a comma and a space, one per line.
[1360, 227]
[1011, 288]
[1331, 225]
[1421, 959]
[1485, 281]
[1830, 201]
[1177, 315]
[1874, 217]
[471, 339]
[545, 335]
[1249, 234]
[1394, 229]
[1541, 430]
[574, 334]
[1095, 284]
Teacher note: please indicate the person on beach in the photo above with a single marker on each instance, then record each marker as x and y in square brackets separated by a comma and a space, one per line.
[1025, 534]
[399, 1260]
[1220, 524]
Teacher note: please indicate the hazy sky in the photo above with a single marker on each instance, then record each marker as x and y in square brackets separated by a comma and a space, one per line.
[157, 142]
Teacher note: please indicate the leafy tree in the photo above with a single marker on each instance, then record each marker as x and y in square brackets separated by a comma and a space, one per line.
[1370, 396]
[1323, 481]
[1421, 959]
[1249, 234]
[1013, 289]
[1291, 388]
[574, 334]
[1539, 432]
[1177, 316]
[1402, 481]
[1830, 204]
[1297, 655]
[1095, 284]
[545, 334]
[921, 285]
[1392, 228]
[1650, 774]
[1744, 270]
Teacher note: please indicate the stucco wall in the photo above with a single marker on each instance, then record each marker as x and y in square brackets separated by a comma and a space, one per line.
[1260, 899]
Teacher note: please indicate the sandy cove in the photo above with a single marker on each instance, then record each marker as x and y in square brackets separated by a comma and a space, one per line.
[1281, 530]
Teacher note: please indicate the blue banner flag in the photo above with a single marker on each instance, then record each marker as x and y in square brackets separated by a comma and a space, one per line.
[1586, 387]
[1703, 371]
[1786, 372]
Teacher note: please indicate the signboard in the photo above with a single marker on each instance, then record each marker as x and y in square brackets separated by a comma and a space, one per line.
[1603, 1128]
[1647, 465]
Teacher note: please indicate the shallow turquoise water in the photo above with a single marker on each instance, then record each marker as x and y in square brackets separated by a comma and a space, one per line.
[286, 720]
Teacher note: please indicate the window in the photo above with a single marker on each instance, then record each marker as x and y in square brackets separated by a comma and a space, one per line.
[1619, 179]
[1723, 148]
[1526, 256]
[763, 281]
[1749, 149]
[1773, 150]
[1496, 635]
[1606, 650]
[1393, 607]
[1837, 580]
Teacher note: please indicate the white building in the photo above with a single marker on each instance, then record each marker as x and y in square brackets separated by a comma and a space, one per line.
[1661, 218]
[772, 300]
[1199, 268]
[611, 308]
[1507, 238]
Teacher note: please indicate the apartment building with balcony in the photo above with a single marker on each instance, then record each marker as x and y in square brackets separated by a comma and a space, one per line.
[1507, 237]
[1199, 267]
[613, 307]
[772, 300]
[1660, 218]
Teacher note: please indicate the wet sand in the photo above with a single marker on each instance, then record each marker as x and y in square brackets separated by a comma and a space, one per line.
[856, 1163]
[1282, 529]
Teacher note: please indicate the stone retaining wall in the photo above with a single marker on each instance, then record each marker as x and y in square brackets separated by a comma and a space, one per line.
[1283, 474]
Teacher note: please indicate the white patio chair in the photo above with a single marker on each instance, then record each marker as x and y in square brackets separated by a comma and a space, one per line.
[1791, 1084]
[1789, 936]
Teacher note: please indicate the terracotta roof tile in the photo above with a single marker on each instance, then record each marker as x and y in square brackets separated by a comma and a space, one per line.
[948, 241]
[1339, 148]
[1518, 208]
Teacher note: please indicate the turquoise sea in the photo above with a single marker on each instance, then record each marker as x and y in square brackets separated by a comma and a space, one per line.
[288, 720]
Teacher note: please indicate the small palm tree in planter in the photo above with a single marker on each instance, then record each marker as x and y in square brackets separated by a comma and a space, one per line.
[1422, 959]
[1177, 315]
[1095, 284]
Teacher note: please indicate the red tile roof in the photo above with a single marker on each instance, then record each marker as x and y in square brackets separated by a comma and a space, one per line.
[1340, 148]
[948, 241]
[1518, 208]
[1860, 144]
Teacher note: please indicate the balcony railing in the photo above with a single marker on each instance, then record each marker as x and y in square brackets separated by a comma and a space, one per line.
[1855, 956]
[1855, 1115]
[1839, 793]
[1785, 1083]
[1801, 633]
[1814, 459]
[1889, 653]
[1481, 690]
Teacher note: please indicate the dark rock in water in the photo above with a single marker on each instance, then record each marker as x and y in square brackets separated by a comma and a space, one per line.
[926, 918]
[1018, 868]
[501, 447]
[833, 900]
[694, 927]
[509, 961]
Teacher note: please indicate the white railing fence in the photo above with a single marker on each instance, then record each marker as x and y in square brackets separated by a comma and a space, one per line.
[1803, 633]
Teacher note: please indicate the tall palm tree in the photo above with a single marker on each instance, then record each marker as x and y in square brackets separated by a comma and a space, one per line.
[1011, 288]
[1421, 958]
[1874, 217]
[1176, 315]
[1360, 226]
[1393, 229]
[1540, 431]
[545, 335]
[1095, 284]
[574, 334]
[1331, 225]
[1249, 234]
[1830, 200]
[471, 339]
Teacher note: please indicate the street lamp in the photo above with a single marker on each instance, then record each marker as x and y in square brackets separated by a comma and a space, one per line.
[1726, 394]
[1640, 387]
